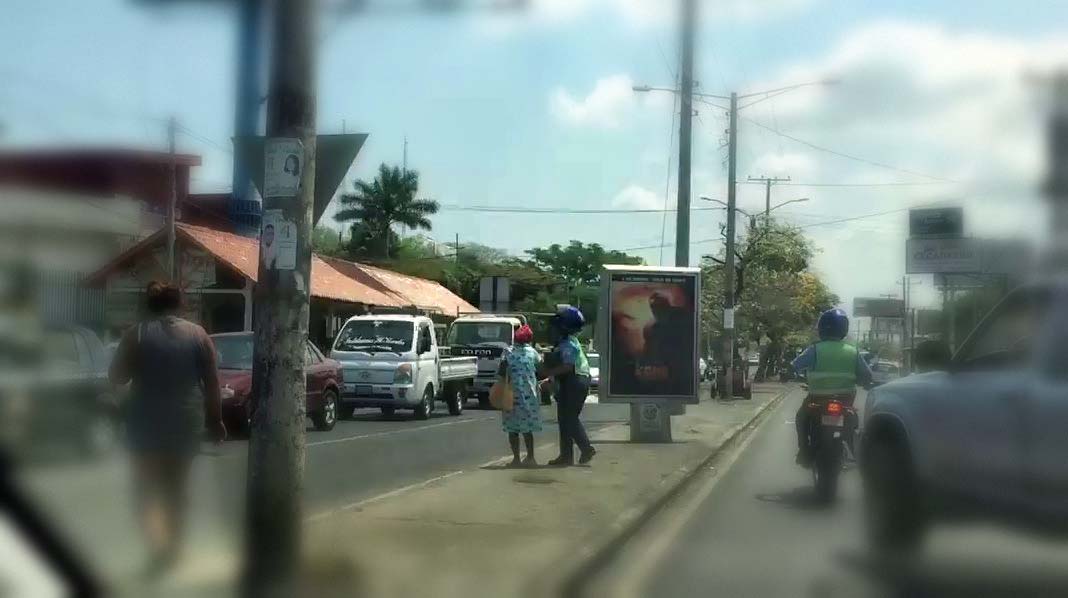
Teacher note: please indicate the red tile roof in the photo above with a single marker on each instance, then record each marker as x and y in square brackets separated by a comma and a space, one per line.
[331, 278]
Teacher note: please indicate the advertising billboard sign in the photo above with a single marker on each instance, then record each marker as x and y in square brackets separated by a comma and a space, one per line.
[940, 256]
[936, 223]
[877, 307]
[649, 345]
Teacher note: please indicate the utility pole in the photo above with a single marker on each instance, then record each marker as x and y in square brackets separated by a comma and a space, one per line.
[682, 214]
[728, 260]
[768, 182]
[276, 444]
[172, 201]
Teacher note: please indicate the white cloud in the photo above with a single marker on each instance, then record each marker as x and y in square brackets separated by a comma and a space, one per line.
[635, 197]
[603, 107]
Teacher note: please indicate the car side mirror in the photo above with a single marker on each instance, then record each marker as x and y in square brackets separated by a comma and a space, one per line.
[933, 356]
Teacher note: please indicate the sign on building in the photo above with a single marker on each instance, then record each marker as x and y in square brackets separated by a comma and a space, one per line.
[648, 338]
[936, 256]
[494, 294]
[936, 223]
[877, 307]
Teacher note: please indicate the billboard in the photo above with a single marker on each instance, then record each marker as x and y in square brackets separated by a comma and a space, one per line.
[940, 256]
[649, 345]
[936, 223]
[877, 307]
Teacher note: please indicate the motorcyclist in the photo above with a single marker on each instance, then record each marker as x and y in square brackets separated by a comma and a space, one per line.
[833, 367]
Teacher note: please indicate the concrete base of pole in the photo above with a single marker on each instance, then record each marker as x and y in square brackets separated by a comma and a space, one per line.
[651, 422]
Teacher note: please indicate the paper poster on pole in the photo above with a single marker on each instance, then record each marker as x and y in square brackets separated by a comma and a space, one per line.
[278, 241]
[283, 164]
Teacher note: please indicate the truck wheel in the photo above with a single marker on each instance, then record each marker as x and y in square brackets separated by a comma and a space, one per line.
[457, 398]
[423, 409]
[893, 516]
[387, 411]
[324, 420]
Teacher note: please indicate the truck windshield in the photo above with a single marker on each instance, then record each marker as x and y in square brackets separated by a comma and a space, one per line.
[478, 333]
[376, 335]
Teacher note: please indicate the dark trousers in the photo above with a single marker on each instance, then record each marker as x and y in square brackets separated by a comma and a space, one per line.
[569, 402]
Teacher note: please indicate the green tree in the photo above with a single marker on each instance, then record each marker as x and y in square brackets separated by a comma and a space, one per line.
[388, 199]
[326, 241]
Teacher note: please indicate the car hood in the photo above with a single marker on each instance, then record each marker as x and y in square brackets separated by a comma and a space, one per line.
[240, 381]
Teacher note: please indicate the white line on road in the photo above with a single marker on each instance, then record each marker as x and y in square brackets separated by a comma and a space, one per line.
[631, 583]
[374, 499]
[401, 431]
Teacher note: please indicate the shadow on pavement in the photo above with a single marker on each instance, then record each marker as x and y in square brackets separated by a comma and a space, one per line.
[802, 498]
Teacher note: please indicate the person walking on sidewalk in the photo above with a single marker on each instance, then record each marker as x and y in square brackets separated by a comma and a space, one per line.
[171, 365]
[521, 365]
[571, 370]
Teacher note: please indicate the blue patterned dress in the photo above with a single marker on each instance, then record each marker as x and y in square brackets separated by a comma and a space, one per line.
[522, 363]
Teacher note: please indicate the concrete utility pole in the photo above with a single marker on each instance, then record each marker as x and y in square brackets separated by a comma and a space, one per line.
[172, 201]
[768, 182]
[728, 259]
[682, 214]
[276, 446]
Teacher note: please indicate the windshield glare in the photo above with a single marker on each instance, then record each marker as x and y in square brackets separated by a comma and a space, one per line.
[376, 335]
[233, 352]
[474, 333]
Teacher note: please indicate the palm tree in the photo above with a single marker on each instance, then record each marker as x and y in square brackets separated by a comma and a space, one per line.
[387, 200]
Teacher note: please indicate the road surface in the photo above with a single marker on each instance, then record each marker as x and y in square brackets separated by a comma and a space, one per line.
[757, 530]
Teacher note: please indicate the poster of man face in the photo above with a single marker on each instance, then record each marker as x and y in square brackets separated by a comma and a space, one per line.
[652, 335]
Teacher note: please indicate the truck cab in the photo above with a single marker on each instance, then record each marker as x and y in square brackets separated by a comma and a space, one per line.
[485, 337]
[393, 362]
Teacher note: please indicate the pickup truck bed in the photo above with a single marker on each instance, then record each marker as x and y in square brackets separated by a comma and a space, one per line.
[457, 368]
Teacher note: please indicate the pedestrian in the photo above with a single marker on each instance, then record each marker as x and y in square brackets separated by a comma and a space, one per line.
[571, 371]
[170, 363]
[522, 364]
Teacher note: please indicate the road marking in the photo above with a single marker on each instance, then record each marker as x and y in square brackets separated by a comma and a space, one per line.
[374, 499]
[400, 431]
[631, 583]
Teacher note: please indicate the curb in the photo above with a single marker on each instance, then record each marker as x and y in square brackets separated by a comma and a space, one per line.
[599, 552]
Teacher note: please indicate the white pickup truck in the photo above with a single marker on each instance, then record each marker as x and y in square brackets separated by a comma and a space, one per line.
[393, 362]
[485, 337]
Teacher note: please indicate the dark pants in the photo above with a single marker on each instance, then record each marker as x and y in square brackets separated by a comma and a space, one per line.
[569, 402]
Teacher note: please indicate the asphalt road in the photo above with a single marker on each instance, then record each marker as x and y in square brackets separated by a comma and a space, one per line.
[757, 530]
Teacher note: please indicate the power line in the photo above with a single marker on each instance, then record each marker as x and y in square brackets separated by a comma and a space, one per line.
[887, 184]
[563, 211]
[845, 155]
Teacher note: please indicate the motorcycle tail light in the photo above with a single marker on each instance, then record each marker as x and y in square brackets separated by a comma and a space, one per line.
[834, 408]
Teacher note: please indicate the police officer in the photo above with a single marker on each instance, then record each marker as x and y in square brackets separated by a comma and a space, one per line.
[834, 368]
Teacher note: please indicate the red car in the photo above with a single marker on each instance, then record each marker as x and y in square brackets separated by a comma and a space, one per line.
[234, 352]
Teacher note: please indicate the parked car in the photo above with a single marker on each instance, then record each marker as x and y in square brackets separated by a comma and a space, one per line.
[322, 376]
[884, 371]
[981, 435]
[393, 362]
[61, 397]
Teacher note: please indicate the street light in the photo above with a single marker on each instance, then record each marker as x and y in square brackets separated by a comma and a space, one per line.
[725, 206]
[799, 200]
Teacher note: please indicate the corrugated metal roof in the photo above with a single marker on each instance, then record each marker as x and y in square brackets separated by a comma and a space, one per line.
[331, 278]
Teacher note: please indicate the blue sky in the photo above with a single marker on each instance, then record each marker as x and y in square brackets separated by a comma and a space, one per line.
[536, 111]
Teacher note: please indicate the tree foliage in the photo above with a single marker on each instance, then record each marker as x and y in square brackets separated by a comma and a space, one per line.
[388, 199]
[578, 263]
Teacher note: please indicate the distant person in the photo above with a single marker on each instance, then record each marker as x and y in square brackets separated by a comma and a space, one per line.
[521, 364]
[571, 370]
[170, 364]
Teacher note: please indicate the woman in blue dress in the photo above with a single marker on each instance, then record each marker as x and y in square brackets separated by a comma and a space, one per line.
[522, 364]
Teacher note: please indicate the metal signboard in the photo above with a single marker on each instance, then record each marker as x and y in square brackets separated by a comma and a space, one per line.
[963, 281]
[649, 334]
[937, 256]
[495, 294]
[936, 223]
[877, 307]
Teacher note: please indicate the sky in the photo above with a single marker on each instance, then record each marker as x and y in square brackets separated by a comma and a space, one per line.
[936, 103]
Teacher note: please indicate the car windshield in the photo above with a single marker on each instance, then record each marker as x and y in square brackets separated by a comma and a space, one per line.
[479, 333]
[233, 352]
[885, 368]
[376, 335]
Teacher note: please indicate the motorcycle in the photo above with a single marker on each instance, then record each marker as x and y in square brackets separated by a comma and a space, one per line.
[832, 423]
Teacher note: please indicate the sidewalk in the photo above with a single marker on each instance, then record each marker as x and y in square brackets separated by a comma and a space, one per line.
[503, 532]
